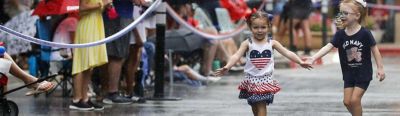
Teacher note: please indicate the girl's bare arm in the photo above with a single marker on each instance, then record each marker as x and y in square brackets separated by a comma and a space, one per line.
[322, 52]
[242, 49]
[378, 60]
[285, 52]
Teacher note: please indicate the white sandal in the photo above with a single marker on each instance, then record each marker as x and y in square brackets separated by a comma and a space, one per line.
[42, 87]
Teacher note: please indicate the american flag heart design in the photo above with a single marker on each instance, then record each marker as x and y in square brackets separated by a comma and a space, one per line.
[259, 60]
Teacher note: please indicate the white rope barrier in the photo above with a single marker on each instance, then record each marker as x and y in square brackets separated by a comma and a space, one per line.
[198, 32]
[106, 40]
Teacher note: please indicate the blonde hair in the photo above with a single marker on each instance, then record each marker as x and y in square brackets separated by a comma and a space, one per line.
[360, 8]
[262, 15]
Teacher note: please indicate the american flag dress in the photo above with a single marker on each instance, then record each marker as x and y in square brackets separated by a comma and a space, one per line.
[258, 84]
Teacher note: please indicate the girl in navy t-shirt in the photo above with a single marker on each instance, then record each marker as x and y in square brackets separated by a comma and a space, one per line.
[355, 44]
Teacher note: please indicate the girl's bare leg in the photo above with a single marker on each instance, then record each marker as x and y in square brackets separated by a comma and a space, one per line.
[254, 109]
[356, 101]
[261, 109]
[348, 92]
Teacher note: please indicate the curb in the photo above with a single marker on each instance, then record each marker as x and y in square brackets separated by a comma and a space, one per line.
[390, 51]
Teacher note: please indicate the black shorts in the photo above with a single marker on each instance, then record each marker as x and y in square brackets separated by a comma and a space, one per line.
[364, 85]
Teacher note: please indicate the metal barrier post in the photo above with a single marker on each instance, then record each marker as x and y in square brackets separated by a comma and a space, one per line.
[159, 56]
[160, 46]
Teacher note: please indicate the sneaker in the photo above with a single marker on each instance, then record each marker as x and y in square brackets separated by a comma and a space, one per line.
[95, 106]
[80, 106]
[114, 98]
[213, 79]
[137, 99]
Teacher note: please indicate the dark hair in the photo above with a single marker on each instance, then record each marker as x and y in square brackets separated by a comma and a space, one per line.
[262, 15]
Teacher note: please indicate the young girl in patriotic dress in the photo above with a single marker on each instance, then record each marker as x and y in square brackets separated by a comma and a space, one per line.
[258, 86]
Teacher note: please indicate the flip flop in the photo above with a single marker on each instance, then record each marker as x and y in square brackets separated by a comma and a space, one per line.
[43, 87]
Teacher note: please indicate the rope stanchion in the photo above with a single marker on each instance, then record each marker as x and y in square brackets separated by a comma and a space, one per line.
[106, 40]
[203, 34]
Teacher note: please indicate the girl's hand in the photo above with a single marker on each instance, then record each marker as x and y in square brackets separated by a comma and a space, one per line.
[221, 71]
[309, 60]
[380, 75]
[306, 65]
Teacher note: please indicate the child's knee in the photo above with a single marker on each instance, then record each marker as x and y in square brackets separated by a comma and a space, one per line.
[184, 68]
[347, 103]
[355, 101]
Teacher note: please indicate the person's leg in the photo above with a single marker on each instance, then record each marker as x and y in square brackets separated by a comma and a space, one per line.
[85, 103]
[103, 75]
[261, 108]
[222, 52]
[348, 92]
[77, 88]
[305, 26]
[85, 84]
[132, 65]
[254, 109]
[209, 53]
[114, 73]
[356, 101]
[282, 31]
[208, 57]
[133, 61]
[193, 75]
[26, 78]
[150, 50]
[151, 32]
[230, 46]
[295, 32]
[80, 88]
[18, 72]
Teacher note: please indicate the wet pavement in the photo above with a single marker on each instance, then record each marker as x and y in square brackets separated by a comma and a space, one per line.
[304, 93]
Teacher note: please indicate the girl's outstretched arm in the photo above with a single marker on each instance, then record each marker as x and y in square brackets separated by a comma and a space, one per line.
[378, 59]
[232, 60]
[289, 54]
[322, 52]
